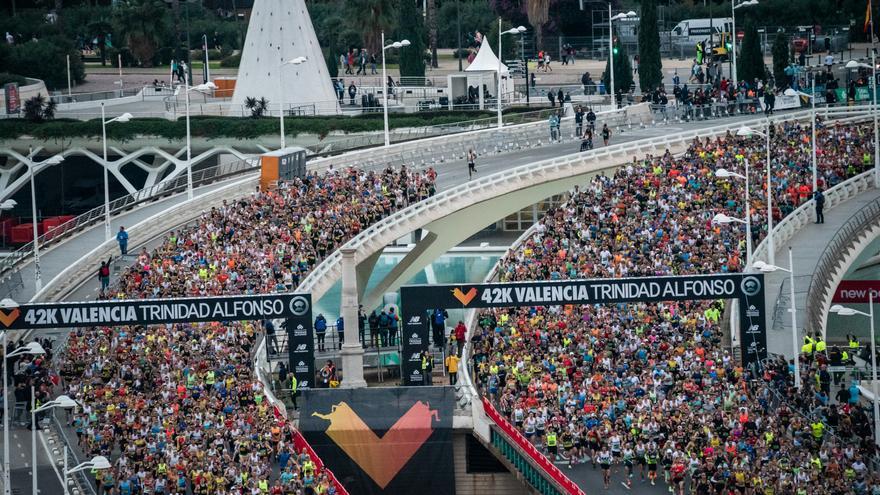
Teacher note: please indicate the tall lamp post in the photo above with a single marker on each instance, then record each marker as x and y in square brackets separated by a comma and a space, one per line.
[121, 119]
[747, 132]
[97, 462]
[187, 88]
[30, 348]
[62, 401]
[724, 173]
[852, 64]
[294, 61]
[768, 268]
[845, 311]
[55, 160]
[516, 30]
[611, 20]
[396, 44]
[733, 7]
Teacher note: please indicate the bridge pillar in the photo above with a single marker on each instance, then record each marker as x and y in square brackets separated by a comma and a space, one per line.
[352, 352]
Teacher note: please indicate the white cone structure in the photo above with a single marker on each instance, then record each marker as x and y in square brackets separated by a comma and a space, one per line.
[279, 31]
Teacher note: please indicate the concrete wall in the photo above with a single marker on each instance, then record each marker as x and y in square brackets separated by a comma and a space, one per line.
[33, 88]
[481, 483]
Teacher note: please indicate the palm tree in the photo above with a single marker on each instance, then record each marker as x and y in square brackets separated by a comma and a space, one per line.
[142, 22]
[431, 18]
[371, 17]
[539, 13]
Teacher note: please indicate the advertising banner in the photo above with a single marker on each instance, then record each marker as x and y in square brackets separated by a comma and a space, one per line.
[856, 291]
[155, 311]
[748, 288]
[383, 440]
[301, 346]
[13, 100]
[414, 341]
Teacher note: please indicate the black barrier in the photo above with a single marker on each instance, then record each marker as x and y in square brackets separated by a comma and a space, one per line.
[295, 309]
[155, 311]
[383, 440]
[416, 300]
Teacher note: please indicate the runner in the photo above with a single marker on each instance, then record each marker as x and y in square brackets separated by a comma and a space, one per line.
[651, 460]
[605, 461]
[606, 134]
[628, 456]
[641, 459]
[471, 159]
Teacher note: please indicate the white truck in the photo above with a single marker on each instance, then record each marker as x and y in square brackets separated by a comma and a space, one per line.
[691, 31]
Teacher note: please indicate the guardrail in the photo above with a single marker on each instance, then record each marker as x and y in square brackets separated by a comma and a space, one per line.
[456, 198]
[95, 215]
[846, 237]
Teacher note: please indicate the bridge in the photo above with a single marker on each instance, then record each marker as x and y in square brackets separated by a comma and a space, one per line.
[508, 181]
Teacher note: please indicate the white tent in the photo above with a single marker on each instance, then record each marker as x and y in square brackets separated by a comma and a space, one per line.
[482, 71]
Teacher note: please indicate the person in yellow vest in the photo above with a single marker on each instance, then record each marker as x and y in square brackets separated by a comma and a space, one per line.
[293, 390]
[550, 440]
[263, 485]
[452, 368]
[427, 367]
[818, 430]
[808, 348]
[820, 344]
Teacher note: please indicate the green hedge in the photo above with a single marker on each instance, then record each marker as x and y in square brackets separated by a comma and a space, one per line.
[6, 77]
[228, 127]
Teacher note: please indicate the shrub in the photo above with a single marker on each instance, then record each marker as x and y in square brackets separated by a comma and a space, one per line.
[231, 61]
[38, 109]
[6, 77]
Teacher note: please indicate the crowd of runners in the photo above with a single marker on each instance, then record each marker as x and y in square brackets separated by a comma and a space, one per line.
[178, 408]
[647, 392]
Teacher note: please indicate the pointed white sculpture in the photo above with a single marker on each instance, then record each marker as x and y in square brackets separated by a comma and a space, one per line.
[280, 31]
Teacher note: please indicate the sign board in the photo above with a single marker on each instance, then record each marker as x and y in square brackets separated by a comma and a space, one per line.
[856, 291]
[383, 440]
[154, 311]
[416, 300]
[13, 99]
[301, 346]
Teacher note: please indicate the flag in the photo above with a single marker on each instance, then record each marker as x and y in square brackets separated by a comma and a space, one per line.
[868, 17]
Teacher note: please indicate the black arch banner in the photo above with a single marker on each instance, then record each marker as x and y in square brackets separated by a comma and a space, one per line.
[416, 300]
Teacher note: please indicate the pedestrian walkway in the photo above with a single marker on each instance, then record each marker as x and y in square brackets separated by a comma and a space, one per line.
[59, 256]
[808, 245]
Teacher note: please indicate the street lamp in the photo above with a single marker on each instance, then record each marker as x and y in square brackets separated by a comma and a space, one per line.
[733, 7]
[845, 311]
[29, 348]
[747, 132]
[121, 119]
[97, 462]
[396, 44]
[294, 61]
[516, 30]
[611, 46]
[200, 88]
[768, 268]
[62, 401]
[812, 97]
[55, 160]
[852, 64]
[723, 174]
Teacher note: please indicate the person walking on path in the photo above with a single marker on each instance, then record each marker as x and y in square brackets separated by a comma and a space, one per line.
[122, 239]
[104, 274]
[820, 205]
[471, 161]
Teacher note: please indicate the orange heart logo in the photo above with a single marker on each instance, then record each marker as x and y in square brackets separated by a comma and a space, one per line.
[381, 458]
[463, 298]
[9, 319]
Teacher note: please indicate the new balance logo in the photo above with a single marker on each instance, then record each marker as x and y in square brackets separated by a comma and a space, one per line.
[301, 348]
[415, 320]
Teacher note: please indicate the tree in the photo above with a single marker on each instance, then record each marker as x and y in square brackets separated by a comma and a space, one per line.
[780, 59]
[257, 107]
[38, 109]
[650, 65]
[371, 17]
[143, 22]
[623, 74]
[333, 62]
[45, 59]
[509, 43]
[431, 18]
[412, 60]
[750, 60]
[539, 13]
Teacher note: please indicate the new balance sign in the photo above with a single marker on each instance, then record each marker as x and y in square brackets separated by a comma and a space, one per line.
[415, 320]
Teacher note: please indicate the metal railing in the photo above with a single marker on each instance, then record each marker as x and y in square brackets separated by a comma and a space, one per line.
[457, 198]
[846, 237]
[162, 189]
